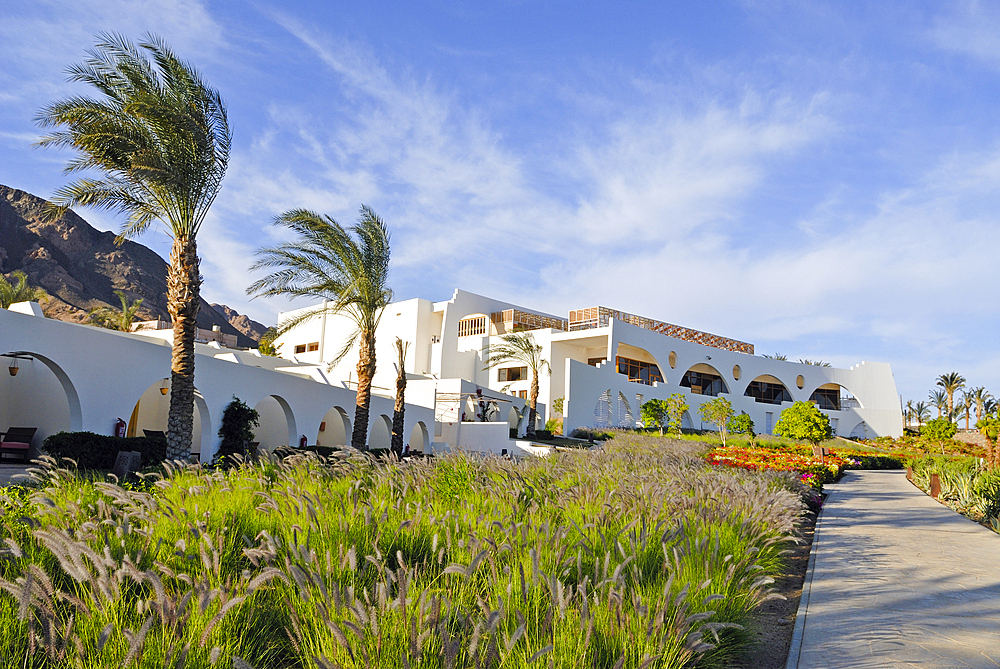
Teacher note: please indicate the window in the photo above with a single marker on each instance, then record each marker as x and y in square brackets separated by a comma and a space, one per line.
[300, 348]
[313, 346]
[523, 394]
[826, 398]
[800, 381]
[736, 372]
[474, 325]
[768, 393]
[704, 383]
[594, 362]
[512, 374]
[639, 371]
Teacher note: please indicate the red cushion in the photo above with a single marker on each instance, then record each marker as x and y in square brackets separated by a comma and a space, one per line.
[15, 444]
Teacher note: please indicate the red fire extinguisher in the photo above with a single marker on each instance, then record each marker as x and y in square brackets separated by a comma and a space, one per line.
[302, 441]
[119, 428]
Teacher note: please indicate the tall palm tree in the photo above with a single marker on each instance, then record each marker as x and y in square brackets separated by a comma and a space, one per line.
[921, 412]
[908, 412]
[115, 319]
[520, 347]
[349, 268]
[18, 290]
[159, 136]
[951, 382]
[939, 400]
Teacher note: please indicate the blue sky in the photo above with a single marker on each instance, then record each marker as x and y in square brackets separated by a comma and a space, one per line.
[818, 178]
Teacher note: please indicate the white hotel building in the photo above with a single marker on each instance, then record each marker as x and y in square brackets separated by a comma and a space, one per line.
[605, 364]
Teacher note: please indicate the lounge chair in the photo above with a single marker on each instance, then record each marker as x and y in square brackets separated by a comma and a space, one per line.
[16, 442]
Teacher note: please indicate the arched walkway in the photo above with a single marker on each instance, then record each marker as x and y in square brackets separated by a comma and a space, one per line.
[704, 379]
[419, 438]
[152, 410]
[768, 389]
[335, 430]
[38, 394]
[381, 433]
[277, 424]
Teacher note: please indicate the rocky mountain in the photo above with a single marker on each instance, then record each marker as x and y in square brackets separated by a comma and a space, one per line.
[81, 267]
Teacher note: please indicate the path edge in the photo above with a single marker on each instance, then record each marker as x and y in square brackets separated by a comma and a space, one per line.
[795, 647]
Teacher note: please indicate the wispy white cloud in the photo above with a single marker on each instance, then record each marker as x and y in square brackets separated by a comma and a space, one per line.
[971, 27]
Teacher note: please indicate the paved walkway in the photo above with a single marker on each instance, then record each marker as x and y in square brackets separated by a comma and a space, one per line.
[897, 580]
[8, 471]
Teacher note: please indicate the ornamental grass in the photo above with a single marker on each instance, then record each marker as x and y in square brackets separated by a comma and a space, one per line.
[637, 554]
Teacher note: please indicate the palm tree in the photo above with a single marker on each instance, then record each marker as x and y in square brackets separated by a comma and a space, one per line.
[965, 406]
[349, 269]
[19, 291]
[939, 400]
[921, 412]
[114, 319]
[815, 363]
[979, 396]
[399, 408]
[159, 136]
[908, 412]
[520, 347]
[776, 356]
[951, 382]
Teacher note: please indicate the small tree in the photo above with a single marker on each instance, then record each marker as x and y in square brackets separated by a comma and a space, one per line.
[804, 421]
[654, 413]
[116, 319]
[743, 424]
[266, 344]
[558, 404]
[16, 290]
[718, 411]
[939, 430]
[676, 407]
[238, 422]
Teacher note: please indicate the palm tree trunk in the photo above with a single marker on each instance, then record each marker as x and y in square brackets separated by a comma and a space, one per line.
[397, 413]
[183, 292]
[366, 371]
[532, 403]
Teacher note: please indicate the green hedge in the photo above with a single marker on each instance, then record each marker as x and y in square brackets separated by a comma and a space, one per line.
[98, 451]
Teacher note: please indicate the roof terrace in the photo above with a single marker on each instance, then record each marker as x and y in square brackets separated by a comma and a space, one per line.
[596, 317]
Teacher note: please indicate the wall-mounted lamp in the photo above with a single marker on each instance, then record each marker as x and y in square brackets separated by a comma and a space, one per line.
[13, 369]
[708, 357]
[164, 386]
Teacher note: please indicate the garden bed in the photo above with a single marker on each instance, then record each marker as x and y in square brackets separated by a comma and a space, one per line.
[637, 551]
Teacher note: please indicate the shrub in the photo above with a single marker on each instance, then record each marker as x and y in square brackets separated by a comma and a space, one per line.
[98, 451]
[238, 422]
[590, 435]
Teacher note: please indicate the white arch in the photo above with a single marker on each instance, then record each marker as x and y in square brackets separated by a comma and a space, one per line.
[381, 433]
[72, 398]
[152, 410]
[277, 424]
[419, 438]
[336, 428]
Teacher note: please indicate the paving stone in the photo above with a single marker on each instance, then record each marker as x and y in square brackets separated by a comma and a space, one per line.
[898, 580]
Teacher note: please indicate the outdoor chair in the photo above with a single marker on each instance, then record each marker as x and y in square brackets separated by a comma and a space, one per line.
[16, 442]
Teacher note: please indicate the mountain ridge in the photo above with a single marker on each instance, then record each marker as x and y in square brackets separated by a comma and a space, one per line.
[80, 267]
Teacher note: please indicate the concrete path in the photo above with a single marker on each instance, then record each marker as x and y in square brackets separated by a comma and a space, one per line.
[897, 580]
[8, 471]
